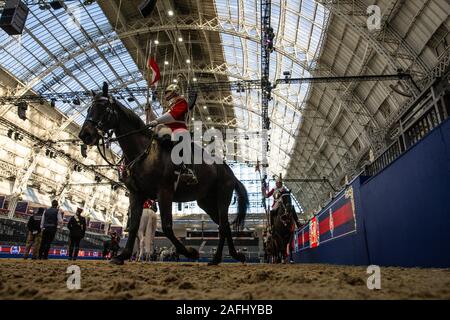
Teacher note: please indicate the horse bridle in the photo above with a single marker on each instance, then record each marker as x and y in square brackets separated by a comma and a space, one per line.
[106, 117]
[286, 211]
[106, 137]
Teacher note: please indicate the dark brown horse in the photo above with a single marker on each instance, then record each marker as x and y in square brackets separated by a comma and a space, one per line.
[151, 176]
[283, 227]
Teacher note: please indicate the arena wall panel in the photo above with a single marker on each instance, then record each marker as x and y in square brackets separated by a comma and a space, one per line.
[402, 214]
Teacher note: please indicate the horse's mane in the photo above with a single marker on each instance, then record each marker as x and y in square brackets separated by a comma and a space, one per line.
[130, 115]
[133, 118]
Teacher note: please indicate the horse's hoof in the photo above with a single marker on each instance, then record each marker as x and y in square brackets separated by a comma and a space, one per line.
[192, 253]
[213, 263]
[116, 261]
[240, 257]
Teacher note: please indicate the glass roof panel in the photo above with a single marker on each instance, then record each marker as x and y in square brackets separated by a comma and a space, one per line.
[298, 31]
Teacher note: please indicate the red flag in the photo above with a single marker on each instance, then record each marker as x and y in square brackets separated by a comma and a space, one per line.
[153, 66]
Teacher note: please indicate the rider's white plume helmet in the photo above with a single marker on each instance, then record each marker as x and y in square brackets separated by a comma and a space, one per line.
[279, 179]
[174, 88]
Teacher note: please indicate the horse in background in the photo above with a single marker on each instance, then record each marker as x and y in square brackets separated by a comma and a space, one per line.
[280, 240]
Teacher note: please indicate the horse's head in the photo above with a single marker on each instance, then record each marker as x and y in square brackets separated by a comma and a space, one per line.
[101, 117]
[286, 207]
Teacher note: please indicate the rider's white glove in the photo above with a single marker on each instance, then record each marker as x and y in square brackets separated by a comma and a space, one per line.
[153, 123]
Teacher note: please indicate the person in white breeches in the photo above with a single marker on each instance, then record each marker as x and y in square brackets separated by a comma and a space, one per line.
[146, 232]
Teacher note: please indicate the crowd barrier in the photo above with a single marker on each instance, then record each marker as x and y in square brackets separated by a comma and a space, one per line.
[7, 251]
[398, 217]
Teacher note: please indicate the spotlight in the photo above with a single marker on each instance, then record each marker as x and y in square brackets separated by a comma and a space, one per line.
[84, 150]
[114, 187]
[166, 63]
[170, 13]
[53, 103]
[188, 61]
[156, 42]
[10, 133]
[22, 110]
[76, 102]
[180, 39]
[98, 179]
[56, 5]
[195, 79]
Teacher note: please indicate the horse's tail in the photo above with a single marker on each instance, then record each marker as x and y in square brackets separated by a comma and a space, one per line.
[242, 204]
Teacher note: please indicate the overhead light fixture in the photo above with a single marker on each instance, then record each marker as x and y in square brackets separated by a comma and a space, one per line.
[195, 79]
[209, 118]
[170, 13]
[180, 39]
[188, 61]
[175, 80]
[57, 5]
[156, 42]
[22, 110]
[84, 150]
[204, 107]
[13, 17]
[166, 62]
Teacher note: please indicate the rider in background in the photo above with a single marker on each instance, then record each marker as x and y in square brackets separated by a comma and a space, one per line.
[276, 193]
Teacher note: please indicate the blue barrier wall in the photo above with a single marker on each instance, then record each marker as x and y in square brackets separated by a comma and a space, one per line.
[402, 213]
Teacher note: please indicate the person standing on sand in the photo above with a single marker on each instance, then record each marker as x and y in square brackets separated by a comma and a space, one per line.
[77, 228]
[34, 235]
[51, 218]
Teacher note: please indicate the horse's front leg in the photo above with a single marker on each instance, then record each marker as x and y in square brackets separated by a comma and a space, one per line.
[136, 207]
[165, 205]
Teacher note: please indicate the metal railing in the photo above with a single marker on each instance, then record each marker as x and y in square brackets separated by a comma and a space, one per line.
[427, 113]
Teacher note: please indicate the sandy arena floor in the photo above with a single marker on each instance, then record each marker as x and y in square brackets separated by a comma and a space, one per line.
[21, 279]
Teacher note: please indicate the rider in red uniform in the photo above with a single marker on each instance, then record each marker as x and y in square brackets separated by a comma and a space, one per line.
[174, 121]
[176, 115]
[276, 193]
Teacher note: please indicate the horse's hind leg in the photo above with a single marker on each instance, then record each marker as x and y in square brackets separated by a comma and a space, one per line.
[231, 249]
[209, 205]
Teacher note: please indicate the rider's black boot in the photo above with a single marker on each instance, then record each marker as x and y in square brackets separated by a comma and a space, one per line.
[187, 175]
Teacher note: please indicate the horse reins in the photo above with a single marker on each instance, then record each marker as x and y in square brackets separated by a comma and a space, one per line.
[108, 139]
